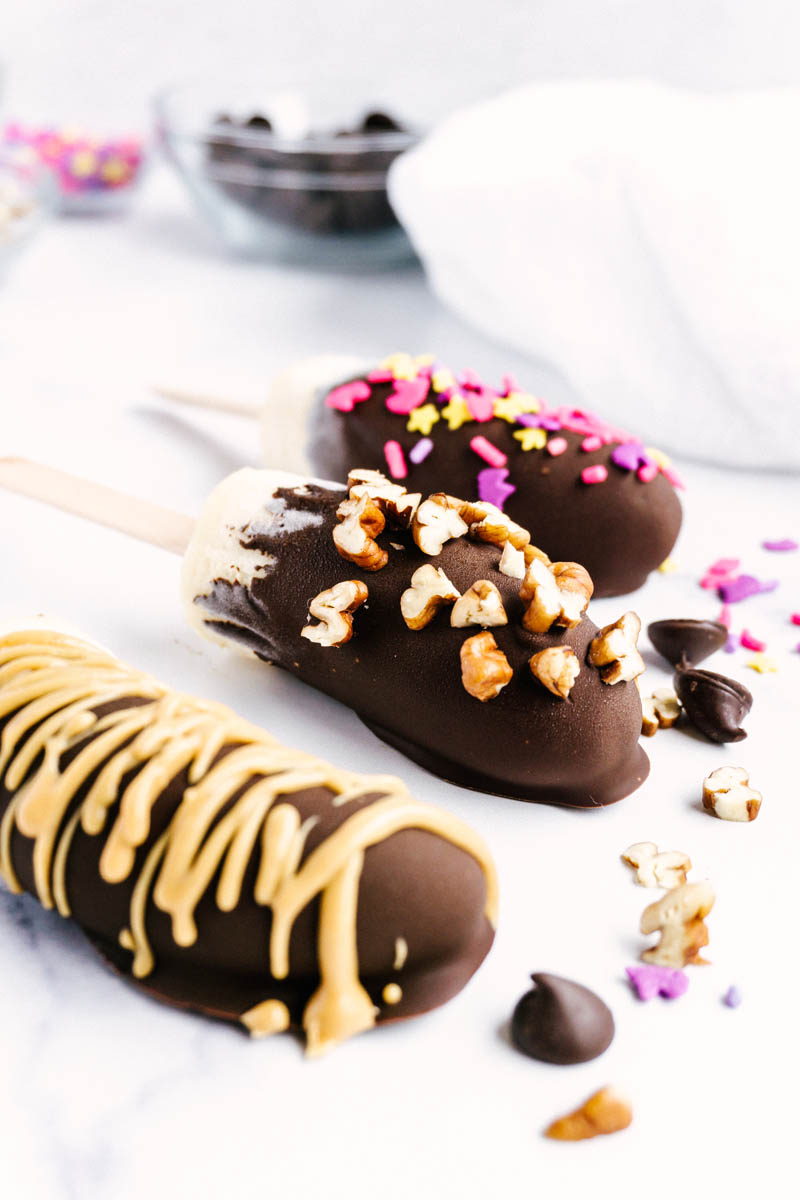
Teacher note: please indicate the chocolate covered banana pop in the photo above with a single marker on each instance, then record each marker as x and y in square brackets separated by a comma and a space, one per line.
[222, 871]
[453, 637]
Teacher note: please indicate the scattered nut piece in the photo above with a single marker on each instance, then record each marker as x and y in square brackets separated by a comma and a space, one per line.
[666, 868]
[481, 604]
[430, 589]
[556, 594]
[436, 522]
[361, 522]
[614, 650]
[487, 523]
[557, 668]
[485, 670]
[394, 501]
[334, 609]
[605, 1112]
[659, 711]
[678, 916]
[726, 794]
[512, 562]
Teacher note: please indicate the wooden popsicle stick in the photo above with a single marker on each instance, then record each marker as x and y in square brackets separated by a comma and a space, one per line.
[138, 518]
[228, 404]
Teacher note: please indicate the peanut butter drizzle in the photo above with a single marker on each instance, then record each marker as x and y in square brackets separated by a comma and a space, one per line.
[50, 685]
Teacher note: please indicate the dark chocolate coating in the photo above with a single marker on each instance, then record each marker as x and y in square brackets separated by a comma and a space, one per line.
[715, 704]
[406, 685]
[559, 1021]
[269, 179]
[619, 530]
[414, 884]
[681, 640]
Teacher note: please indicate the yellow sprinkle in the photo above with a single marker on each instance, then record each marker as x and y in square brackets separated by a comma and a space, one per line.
[83, 163]
[114, 170]
[668, 565]
[531, 439]
[456, 413]
[401, 365]
[443, 380]
[510, 407]
[763, 663]
[422, 420]
[659, 457]
[423, 360]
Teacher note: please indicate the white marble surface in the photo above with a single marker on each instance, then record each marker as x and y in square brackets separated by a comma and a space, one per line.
[108, 1094]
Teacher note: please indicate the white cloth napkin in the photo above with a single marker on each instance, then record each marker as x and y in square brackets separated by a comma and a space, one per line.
[645, 240]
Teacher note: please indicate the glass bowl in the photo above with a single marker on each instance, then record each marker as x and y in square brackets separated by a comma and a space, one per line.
[26, 200]
[288, 176]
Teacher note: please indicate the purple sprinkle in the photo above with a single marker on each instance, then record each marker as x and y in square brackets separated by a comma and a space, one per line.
[492, 486]
[783, 544]
[529, 420]
[549, 423]
[630, 456]
[653, 981]
[420, 451]
[730, 645]
[735, 590]
[733, 997]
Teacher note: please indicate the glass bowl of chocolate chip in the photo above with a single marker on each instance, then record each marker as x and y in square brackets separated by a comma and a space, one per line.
[289, 176]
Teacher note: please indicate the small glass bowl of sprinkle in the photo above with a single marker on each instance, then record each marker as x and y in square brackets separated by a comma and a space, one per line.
[26, 200]
[295, 176]
[92, 174]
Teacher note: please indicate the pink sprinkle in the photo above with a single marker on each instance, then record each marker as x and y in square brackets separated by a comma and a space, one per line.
[395, 460]
[593, 442]
[344, 398]
[596, 474]
[749, 642]
[489, 453]
[380, 375]
[783, 544]
[556, 446]
[420, 450]
[724, 617]
[408, 394]
[674, 478]
[481, 404]
[795, 618]
[724, 566]
[648, 472]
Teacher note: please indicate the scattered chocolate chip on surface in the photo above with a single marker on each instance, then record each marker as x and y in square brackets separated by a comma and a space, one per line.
[682, 640]
[559, 1021]
[715, 704]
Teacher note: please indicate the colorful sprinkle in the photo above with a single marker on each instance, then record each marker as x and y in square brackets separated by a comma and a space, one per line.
[730, 646]
[763, 664]
[345, 397]
[647, 472]
[653, 981]
[668, 566]
[80, 163]
[531, 439]
[743, 586]
[420, 450]
[749, 642]
[724, 617]
[556, 446]
[516, 404]
[733, 997]
[492, 486]
[488, 452]
[443, 380]
[422, 420]
[481, 404]
[592, 442]
[408, 394]
[395, 460]
[630, 456]
[783, 544]
[795, 618]
[456, 413]
[596, 474]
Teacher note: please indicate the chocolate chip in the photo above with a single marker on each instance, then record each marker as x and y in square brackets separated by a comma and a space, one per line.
[715, 704]
[562, 1022]
[685, 641]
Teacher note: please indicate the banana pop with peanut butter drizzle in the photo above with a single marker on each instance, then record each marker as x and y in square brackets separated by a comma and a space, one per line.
[222, 871]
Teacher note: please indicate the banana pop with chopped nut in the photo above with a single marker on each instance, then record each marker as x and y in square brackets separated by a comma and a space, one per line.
[452, 636]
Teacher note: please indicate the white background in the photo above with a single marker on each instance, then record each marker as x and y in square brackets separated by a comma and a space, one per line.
[106, 1094]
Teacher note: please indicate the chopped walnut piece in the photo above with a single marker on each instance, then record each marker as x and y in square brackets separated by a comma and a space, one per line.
[485, 670]
[394, 501]
[614, 650]
[430, 589]
[487, 523]
[436, 522]
[678, 916]
[361, 522]
[659, 711]
[607, 1111]
[654, 868]
[556, 594]
[727, 794]
[512, 562]
[557, 668]
[334, 610]
[481, 604]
